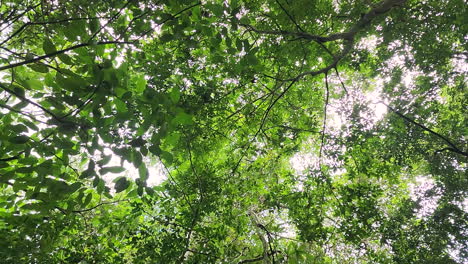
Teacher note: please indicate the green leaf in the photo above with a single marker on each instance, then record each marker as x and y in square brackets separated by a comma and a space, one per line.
[18, 89]
[74, 187]
[167, 157]
[101, 186]
[217, 9]
[31, 125]
[155, 150]
[137, 158]
[140, 84]
[245, 20]
[251, 59]
[239, 44]
[65, 59]
[166, 37]
[105, 159]
[113, 169]
[172, 139]
[72, 83]
[94, 25]
[121, 184]
[87, 174]
[174, 94]
[87, 200]
[120, 106]
[39, 67]
[149, 190]
[19, 139]
[48, 46]
[143, 172]
[183, 119]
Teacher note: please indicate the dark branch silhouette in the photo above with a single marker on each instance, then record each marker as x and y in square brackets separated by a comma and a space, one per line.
[452, 145]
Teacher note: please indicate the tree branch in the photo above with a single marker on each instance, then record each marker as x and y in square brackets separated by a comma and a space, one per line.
[18, 31]
[251, 260]
[348, 36]
[452, 147]
[53, 54]
[22, 98]
[289, 16]
[21, 113]
[327, 95]
[91, 208]
[382, 8]
[17, 156]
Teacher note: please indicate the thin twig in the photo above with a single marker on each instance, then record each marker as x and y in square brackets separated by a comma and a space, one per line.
[324, 127]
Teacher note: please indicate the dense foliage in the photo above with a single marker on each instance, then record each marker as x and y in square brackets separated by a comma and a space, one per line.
[272, 131]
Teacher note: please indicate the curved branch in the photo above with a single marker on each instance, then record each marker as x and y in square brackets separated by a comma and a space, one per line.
[347, 36]
[382, 8]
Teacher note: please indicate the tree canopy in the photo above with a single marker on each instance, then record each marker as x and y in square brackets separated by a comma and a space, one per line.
[272, 131]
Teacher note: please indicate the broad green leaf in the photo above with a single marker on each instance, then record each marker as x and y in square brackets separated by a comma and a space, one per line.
[94, 25]
[167, 157]
[18, 89]
[239, 44]
[19, 139]
[113, 169]
[140, 84]
[137, 158]
[217, 9]
[172, 139]
[74, 187]
[87, 200]
[105, 159]
[48, 46]
[174, 94]
[166, 37]
[120, 106]
[65, 59]
[121, 184]
[87, 174]
[39, 67]
[143, 172]
[251, 59]
[183, 119]
[155, 150]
